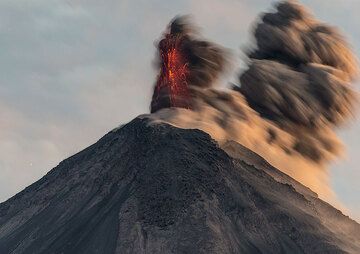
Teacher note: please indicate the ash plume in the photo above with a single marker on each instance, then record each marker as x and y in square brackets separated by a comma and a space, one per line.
[185, 60]
[299, 76]
[206, 60]
[294, 94]
[302, 63]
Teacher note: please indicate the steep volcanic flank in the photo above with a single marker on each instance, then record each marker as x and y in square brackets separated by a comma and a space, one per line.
[154, 188]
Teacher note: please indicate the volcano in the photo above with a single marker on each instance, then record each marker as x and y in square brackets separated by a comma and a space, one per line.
[150, 187]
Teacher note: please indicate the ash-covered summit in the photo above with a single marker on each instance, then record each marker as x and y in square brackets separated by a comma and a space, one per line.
[153, 188]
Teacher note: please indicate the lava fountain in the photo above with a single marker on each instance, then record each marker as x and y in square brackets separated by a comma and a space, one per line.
[171, 88]
[186, 61]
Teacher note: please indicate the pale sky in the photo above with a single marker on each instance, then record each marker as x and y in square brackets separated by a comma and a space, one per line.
[72, 70]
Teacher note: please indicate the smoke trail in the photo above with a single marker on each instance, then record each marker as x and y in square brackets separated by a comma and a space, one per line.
[293, 95]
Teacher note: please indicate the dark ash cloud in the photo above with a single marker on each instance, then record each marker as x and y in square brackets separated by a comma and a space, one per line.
[300, 70]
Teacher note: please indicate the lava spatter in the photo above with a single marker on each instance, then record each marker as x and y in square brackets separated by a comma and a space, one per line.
[171, 89]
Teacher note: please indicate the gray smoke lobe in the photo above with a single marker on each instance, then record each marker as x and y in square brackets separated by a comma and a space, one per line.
[206, 60]
[299, 76]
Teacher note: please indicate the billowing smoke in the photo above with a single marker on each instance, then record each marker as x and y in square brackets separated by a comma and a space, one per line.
[299, 76]
[295, 92]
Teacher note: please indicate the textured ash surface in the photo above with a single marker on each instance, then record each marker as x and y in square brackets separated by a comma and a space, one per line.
[158, 189]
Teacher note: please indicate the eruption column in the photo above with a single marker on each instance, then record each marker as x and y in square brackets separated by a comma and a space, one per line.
[171, 89]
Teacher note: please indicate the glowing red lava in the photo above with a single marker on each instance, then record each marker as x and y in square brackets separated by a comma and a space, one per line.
[172, 85]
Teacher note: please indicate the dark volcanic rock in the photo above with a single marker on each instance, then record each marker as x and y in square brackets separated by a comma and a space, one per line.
[154, 188]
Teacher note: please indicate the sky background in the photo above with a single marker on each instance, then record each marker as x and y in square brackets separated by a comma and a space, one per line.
[72, 70]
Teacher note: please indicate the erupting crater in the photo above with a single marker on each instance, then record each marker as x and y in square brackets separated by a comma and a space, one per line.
[171, 88]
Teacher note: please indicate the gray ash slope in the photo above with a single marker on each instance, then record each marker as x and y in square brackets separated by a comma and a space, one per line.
[154, 188]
